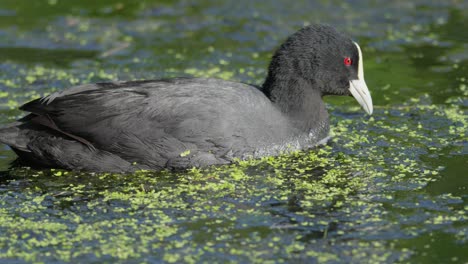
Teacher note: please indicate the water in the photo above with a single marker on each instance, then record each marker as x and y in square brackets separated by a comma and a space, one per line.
[388, 188]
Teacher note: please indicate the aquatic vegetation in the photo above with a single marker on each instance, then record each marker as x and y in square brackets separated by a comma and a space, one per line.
[386, 188]
[337, 193]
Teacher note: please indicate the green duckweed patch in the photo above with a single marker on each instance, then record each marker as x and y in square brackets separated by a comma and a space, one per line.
[273, 209]
[386, 188]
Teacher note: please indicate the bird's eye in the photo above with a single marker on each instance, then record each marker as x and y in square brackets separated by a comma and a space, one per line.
[348, 61]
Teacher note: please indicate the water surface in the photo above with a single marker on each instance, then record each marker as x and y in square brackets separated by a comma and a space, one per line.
[388, 188]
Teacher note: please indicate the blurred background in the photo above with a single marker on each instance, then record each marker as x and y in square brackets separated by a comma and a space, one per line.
[404, 42]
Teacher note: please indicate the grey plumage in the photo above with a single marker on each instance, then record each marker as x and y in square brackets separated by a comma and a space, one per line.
[184, 122]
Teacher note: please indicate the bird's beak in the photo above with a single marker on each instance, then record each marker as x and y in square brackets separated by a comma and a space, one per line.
[358, 87]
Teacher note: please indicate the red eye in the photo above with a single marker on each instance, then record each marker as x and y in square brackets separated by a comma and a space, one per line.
[348, 61]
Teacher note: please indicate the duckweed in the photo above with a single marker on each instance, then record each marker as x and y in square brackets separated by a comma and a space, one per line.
[386, 188]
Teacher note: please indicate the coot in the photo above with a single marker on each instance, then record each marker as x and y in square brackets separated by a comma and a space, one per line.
[194, 122]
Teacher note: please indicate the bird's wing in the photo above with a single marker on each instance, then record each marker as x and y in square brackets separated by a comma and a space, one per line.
[140, 120]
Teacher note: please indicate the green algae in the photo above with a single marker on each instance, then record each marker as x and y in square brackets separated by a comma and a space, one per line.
[386, 188]
[243, 211]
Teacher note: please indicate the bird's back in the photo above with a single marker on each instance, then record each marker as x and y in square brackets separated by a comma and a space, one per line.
[174, 123]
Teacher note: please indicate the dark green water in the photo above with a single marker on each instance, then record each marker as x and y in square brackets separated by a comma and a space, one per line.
[388, 188]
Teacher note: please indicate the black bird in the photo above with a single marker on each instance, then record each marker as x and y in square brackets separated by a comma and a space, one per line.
[194, 122]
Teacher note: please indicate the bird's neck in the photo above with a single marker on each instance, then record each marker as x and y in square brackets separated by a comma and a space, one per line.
[298, 100]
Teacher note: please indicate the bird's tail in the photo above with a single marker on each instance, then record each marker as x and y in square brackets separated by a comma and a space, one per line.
[13, 136]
